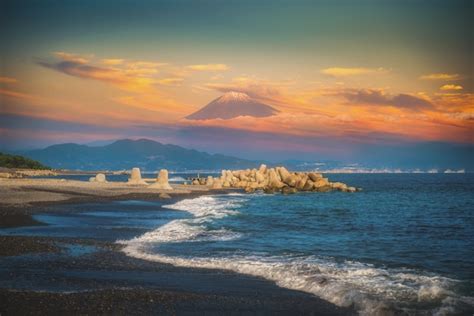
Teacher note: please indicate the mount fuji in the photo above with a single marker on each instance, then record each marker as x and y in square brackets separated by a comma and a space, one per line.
[233, 104]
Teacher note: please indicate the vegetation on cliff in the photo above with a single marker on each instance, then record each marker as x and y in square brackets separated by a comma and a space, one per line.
[20, 162]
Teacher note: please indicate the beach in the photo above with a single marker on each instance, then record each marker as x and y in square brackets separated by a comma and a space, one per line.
[87, 275]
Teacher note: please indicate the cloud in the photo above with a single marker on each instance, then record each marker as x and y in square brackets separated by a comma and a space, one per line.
[8, 80]
[76, 58]
[448, 87]
[209, 67]
[112, 61]
[440, 76]
[15, 94]
[171, 81]
[378, 97]
[258, 88]
[130, 76]
[356, 71]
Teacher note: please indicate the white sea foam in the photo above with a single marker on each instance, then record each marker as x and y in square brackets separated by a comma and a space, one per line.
[176, 179]
[371, 290]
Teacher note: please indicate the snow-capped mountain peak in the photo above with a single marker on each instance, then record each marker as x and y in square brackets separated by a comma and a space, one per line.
[230, 105]
[233, 96]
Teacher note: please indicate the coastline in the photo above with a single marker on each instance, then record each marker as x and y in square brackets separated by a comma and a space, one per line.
[107, 281]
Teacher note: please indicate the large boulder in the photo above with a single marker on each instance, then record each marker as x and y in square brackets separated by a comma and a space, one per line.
[321, 182]
[274, 181]
[300, 184]
[291, 180]
[314, 176]
[262, 169]
[288, 190]
[284, 174]
[217, 184]
[136, 177]
[308, 185]
[100, 177]
[162, 181]
[339, 186]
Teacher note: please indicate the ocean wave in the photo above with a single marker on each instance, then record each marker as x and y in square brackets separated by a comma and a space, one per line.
[371, 290]
[176, 179]
[204, 209]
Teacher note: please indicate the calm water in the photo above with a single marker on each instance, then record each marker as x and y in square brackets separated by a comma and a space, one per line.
[404, 244]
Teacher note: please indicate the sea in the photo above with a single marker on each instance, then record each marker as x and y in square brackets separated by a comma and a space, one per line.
[404, 245]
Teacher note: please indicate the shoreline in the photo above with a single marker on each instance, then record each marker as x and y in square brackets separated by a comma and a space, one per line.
[107, 281]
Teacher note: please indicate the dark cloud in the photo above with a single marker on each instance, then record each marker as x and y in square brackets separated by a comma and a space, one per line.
[376, 97]
[78, 69]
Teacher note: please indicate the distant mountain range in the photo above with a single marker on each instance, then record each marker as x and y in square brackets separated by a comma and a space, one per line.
[125, 154]
[233, 104]
[150, 155]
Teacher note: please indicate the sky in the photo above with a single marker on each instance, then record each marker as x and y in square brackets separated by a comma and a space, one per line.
[345, 76]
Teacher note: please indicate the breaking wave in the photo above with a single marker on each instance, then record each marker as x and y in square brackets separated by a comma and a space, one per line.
[369, 289]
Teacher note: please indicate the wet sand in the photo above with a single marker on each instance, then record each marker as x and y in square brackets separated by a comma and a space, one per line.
[44, 276]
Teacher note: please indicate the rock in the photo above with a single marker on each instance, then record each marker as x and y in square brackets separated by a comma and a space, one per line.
[164, 196]
[259, 177]
[339, 186]
[288, 190]
[249, 190]
[283, 173]
[308, 185]
[351, 189]
[291, 180]
[268, 190]
[300, 184]
[217, 184]
[195, 182]
[100, 177]
[92, 179]
[136, 178]
[162, 181]
[321, 182]
[325, 188]
[314, 176]
[273, 181]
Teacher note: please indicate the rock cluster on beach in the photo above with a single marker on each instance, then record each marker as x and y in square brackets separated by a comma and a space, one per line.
[162, 181]
[100, 177]
[272, 180]
[136, 177]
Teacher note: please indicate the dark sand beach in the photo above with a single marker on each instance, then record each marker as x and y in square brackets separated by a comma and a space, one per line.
[56, 275]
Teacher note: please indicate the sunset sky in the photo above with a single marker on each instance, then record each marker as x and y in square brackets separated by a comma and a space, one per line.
[344, 76]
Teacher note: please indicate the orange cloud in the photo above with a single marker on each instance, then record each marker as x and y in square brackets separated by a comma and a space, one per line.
[113, 61]
[356, 71]
[379, 97]
[8, 80]
[18, 95]
[73, 57]
[440, 76]
[209, 67]
[135, 77]
[451, 87]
